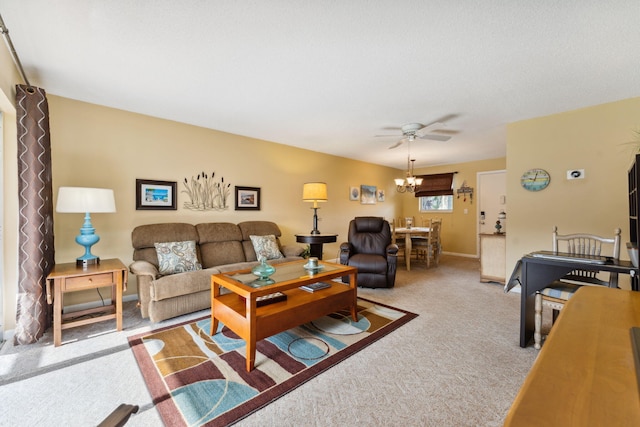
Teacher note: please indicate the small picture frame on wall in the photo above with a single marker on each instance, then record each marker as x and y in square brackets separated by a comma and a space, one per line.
[354, 193]
[381, 195]
[247, 198]
[156, 195]
[368, 194]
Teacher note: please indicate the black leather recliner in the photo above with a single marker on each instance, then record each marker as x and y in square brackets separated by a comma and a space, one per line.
[370, 250]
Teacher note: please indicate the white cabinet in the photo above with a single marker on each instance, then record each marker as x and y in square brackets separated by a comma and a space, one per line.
[492, 257]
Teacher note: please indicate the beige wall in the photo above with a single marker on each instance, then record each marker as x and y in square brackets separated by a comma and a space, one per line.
[103, 147]
[593, 139]
[99, 146]
[459, 230]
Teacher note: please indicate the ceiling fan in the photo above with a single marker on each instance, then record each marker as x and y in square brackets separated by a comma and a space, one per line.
[411, 131]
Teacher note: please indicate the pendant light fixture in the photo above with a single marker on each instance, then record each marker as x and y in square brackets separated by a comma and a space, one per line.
[410, 182]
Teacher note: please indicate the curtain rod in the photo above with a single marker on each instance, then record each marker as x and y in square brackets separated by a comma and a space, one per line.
[5, 32]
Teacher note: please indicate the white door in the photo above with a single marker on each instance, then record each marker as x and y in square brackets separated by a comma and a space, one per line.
[492, 198]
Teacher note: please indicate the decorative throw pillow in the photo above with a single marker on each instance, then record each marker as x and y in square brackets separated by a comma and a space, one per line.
[266, 246]
[177, 257]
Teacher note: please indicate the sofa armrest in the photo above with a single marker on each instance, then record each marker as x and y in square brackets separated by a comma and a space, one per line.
[292, 250]
[145, 274]
[144, 268]
[392, 249]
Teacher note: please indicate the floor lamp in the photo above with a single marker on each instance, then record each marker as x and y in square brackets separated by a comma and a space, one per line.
[314, 192]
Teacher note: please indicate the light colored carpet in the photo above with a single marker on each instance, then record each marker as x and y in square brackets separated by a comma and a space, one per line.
[457, 364]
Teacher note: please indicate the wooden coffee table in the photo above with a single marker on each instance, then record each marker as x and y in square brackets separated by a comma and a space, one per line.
[238, 309]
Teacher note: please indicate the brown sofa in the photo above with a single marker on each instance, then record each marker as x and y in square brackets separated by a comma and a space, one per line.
[220, 247]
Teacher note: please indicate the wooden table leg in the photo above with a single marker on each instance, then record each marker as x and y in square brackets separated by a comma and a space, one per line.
[57, 312]
[215, 291]
[407, 250]
[214, 326]
[251, 339]
[119, 287]
[353, 283]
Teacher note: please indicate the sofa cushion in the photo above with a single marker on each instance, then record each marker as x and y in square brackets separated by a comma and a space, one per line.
[220, 244]
[182, 284]
[266, 246]
[256, 228]
[177, 257]
[144, 238]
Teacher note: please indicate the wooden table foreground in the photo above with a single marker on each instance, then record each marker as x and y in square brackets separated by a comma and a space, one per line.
[585, 373]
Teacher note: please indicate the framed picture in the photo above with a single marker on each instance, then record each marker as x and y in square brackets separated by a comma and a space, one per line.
[155, 195]
[354, 193]
[381, 195]
[368, 194]
[247, 198]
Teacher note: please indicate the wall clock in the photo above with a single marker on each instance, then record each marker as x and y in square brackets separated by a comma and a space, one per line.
[535, 179]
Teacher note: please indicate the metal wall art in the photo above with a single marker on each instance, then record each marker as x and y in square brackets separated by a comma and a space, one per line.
[206, 194]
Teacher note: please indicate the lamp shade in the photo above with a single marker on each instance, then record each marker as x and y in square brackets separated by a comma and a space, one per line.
[83, 200]
[314, 192]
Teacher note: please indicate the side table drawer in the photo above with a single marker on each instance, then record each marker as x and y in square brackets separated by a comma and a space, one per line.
[93, 281]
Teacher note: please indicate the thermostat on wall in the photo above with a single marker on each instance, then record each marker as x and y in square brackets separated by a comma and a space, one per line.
[575, 174]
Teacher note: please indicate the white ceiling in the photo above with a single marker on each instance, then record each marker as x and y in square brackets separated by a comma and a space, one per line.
[329, 75]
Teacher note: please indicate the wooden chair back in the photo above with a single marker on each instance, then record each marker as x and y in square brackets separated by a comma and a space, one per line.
[429, 247]
[588, 244]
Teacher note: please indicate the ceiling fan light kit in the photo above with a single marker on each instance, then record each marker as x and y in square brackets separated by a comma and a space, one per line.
[411, 131]
[410, 182]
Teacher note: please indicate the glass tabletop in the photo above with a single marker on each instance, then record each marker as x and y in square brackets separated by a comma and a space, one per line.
[285, 272]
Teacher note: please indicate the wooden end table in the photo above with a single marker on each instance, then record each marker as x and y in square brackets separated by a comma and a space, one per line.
[239, 312]
[69, 277]
[316, 241]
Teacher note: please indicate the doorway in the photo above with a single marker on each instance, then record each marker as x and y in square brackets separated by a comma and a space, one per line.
[492, 199]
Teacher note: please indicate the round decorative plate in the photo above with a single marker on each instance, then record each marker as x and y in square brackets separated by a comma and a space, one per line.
[535, 179]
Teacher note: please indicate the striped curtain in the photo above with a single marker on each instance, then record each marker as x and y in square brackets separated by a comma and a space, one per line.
[35, 203]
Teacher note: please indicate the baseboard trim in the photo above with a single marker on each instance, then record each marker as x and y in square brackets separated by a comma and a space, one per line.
[461, 255]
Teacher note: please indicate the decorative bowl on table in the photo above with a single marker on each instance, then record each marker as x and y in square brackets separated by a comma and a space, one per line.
[263, 270]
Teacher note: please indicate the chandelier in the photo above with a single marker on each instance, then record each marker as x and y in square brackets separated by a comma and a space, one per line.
[410, 182]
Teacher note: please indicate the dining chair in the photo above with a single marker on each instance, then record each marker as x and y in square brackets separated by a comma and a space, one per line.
[398, 239]
[428, 247]
[556, 294]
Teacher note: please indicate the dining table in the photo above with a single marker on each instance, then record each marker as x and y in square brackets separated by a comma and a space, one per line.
[408, 233]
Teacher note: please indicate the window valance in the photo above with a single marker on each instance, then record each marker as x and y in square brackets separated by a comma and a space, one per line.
[438, 184]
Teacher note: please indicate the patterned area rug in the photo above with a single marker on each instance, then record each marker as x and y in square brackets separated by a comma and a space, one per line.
[201, 380]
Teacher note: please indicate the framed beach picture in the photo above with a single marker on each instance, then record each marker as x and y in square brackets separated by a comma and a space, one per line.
[155, 195]
[247, 198]
[368, 194]
[381, 195]
[354, 193]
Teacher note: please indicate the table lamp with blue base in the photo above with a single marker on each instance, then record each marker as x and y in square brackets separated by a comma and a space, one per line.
[86, 200]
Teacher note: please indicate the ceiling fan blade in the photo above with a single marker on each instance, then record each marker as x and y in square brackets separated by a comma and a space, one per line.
[397, 144]
[392, 128]
[425, 130]
[436, 125]
[447, 131]
[445, 118]
[435, 137]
